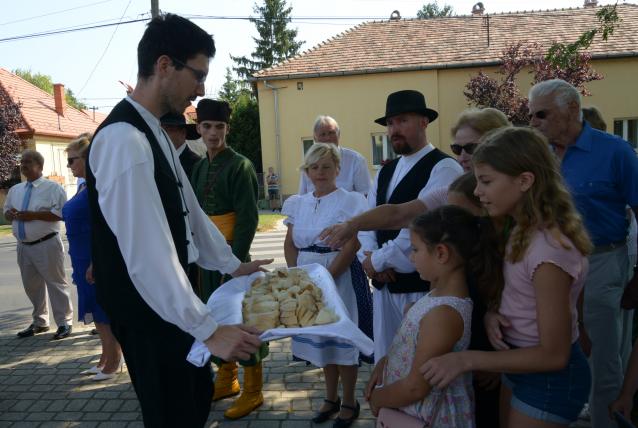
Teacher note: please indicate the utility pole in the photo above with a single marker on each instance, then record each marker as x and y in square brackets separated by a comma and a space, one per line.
[154, 8]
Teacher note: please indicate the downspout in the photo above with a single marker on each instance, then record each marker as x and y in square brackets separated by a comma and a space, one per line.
[275, 92]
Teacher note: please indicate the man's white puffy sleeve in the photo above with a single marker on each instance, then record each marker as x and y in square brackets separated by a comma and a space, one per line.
[122, 162]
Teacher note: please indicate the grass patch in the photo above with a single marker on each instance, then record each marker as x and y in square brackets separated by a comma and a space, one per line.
[267, 222]
[5, 230]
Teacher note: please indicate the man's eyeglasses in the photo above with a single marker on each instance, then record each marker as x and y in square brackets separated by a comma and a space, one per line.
[200, 76]
[70, 160]
[469, 148]
[541, 114]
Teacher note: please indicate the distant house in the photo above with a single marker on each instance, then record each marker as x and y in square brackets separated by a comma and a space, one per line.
[49, 124]
[350, 75]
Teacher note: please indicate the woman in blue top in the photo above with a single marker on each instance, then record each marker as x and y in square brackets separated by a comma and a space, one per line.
[78, 232]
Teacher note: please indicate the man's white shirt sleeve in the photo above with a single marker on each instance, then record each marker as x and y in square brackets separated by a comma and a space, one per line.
[368, 239]
[122, 162]
[395, 254]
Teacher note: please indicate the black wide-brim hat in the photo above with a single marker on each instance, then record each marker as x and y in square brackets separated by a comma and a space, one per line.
[407, 101]
[178, 120]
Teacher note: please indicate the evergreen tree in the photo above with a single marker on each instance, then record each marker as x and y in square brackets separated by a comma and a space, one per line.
[231, 89]
[276, 42]
[244, 134]
[45, 82]
[432, 10]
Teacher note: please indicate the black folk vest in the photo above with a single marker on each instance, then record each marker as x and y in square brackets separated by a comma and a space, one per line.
[407, 190]
[114, 288]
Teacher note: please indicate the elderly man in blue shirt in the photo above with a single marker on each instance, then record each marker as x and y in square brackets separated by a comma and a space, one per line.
[601, 171]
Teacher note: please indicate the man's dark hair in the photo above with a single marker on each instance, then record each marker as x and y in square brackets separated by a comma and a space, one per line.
[175, 37]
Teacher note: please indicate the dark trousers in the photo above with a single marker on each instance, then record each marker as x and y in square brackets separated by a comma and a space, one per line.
[486, 407]
[171, 391]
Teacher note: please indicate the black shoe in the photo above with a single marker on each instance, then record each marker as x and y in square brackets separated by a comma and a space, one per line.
[63, 331]
[94, 331]
[31, 330]
[324, 416]
[344, 423]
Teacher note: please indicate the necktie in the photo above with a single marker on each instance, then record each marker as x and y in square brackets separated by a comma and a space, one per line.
[25, 205]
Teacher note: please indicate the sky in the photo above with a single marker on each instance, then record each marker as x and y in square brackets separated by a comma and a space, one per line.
[91, 62]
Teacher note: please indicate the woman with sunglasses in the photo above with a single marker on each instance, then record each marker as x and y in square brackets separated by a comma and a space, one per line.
[471, 125]
[78, 231]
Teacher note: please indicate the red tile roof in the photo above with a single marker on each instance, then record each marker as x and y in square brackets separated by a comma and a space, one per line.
[453, 42]
[38, 110]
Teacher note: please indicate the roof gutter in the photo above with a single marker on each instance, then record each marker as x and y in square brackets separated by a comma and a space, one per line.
[471, 64]
[275, 91]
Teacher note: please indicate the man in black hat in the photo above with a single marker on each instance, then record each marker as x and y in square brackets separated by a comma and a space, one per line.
[421, 170]
[225, 184]
[179, 131]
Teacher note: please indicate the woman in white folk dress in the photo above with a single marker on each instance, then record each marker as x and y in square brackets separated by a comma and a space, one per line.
[308, 215]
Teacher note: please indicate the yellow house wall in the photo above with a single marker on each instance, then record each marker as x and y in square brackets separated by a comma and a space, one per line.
[355, 101]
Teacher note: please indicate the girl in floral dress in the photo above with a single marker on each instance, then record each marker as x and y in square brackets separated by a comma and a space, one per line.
[449, 244]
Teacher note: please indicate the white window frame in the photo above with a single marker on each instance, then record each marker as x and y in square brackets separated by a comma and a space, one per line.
[304, 149]
[388, 154]
[625, 129]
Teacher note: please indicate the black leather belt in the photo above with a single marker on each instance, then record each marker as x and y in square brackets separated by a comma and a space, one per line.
[44, 238]
[608, 247]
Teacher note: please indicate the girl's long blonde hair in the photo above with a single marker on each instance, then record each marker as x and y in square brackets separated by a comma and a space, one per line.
[547, 204]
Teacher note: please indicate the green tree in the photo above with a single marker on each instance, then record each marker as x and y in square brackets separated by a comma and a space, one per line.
[10, 120]
[45, 82]
[231, 89]
[276, 42]
[432, 10]
[244, 134]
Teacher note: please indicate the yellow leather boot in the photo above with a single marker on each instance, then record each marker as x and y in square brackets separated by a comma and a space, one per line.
[251, 397]
[226, 383]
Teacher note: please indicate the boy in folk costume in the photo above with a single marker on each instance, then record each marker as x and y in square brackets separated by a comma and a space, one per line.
[225, 184]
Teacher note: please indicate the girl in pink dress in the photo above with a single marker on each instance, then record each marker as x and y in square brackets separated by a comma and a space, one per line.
[534, 319]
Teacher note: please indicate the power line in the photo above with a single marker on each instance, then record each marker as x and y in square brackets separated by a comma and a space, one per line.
[290, 19]
[69, 30]
[105, 49]
[54, 13]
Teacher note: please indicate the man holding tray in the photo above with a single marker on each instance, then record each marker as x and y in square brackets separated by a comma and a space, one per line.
[147, 227]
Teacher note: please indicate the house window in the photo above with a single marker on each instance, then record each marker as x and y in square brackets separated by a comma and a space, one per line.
[381, 150]
[306, 142]
[627, 129]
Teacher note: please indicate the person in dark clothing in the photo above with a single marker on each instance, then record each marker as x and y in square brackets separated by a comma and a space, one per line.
[179, 131]
[147, 227]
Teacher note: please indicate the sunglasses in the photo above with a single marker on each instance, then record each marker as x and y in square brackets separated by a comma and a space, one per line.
[541, 114]
[469, 148]
[71, 160]
[199, 75]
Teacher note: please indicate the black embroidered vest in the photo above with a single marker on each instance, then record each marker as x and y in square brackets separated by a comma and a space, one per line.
[407, 190]
[114, 288]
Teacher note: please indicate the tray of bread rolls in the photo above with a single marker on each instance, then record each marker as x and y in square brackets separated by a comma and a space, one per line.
[288, 302]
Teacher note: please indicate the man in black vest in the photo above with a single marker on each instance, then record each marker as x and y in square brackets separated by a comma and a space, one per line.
[147, 227]
[422, 170]
[179, 131]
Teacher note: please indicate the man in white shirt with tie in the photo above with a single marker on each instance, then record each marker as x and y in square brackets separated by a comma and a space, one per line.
[34, 208]
[354, 175]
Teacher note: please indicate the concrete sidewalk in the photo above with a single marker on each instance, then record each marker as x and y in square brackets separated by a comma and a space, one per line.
[40, 386]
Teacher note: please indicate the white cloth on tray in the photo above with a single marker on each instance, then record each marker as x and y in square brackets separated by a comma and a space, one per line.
[225, 306]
